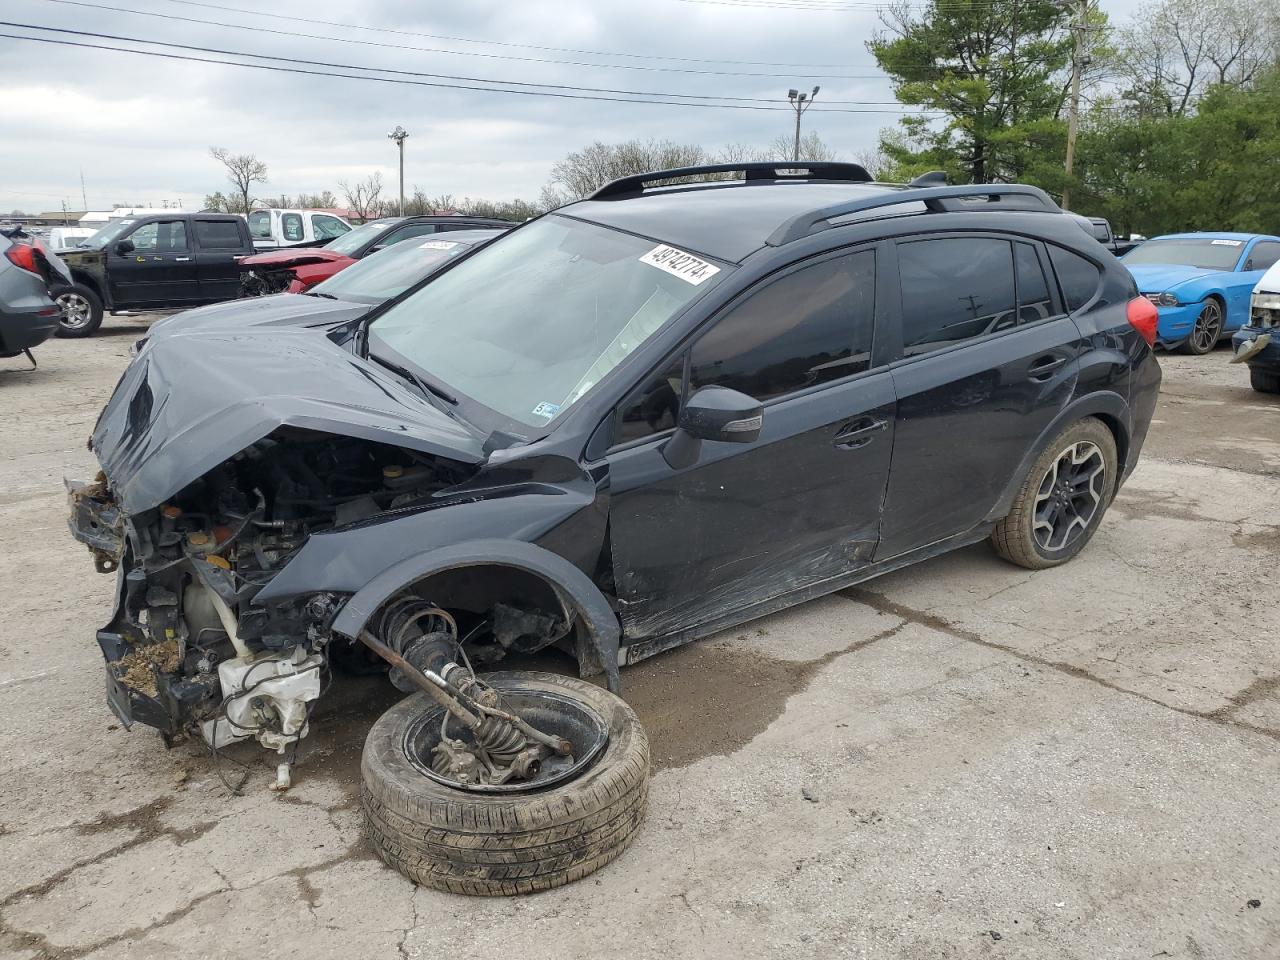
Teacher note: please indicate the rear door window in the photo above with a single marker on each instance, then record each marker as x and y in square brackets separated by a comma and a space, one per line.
[955, 289]
[260, 225]
[808, 327]
[1079, 277]
[1034, 300]
[291, 226]
[218, 234]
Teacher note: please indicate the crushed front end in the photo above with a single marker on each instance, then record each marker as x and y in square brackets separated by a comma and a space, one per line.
[187, 650]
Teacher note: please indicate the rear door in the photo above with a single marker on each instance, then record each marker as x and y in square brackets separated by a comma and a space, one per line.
[749, 523]
[988, 356]
[159, 271]
[220, 245]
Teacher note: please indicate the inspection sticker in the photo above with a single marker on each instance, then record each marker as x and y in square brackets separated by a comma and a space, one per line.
[545, 409]
[439, 245]
[686, 266]
[1226, 243]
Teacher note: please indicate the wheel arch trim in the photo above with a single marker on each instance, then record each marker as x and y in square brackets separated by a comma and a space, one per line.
[570, 583]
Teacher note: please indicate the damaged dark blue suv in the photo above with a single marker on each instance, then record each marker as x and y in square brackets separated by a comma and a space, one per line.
[675, 406]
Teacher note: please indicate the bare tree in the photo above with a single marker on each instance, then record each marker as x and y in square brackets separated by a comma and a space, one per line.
[1175, 49]
[812, 147]
[586, 170]
[243, 171]
[364, 197]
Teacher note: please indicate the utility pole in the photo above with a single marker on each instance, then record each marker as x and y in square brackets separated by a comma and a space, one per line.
[800, 102]
[83, 197]
[398, 135]
[1078, 62]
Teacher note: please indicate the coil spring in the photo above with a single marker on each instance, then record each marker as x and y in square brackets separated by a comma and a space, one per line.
[401, 616]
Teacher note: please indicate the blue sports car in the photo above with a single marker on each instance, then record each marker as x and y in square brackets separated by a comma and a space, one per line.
[1201, 283]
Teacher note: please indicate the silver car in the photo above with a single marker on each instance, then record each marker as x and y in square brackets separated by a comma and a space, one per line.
[28, 316]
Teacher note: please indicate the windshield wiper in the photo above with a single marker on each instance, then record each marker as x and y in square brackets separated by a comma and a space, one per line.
[427, 388]
[317, 293]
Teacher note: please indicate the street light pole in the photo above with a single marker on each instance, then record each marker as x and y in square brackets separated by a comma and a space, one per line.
[399, 134]
[800, 102]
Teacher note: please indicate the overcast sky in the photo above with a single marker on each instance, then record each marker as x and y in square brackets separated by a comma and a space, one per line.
[140, 127]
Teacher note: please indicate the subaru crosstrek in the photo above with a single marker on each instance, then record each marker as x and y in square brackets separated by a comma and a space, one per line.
[635, 421]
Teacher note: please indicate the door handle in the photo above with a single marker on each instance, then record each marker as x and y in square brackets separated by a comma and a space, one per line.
[182, 259]
[859, 433]
[1042, 367]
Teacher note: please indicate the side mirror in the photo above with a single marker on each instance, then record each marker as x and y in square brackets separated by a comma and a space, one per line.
[1248, 265]
[124, 247]
[713, 413]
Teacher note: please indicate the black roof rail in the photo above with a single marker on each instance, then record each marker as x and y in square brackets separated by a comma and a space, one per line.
[752, 171]
[1000, 196]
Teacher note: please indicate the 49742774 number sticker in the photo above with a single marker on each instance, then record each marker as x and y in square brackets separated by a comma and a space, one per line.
[686, 266]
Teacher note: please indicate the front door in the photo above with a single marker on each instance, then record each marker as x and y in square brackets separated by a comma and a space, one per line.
[987, 362]
[159, 270]
[751, 523]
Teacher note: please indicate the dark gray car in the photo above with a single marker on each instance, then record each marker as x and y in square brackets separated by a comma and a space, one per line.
[28, 316]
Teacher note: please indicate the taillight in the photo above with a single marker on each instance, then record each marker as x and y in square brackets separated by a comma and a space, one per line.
[1143, 317]
[23, 255]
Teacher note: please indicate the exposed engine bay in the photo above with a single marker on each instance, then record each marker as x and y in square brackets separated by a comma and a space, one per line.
[190, 653]
[263, 282]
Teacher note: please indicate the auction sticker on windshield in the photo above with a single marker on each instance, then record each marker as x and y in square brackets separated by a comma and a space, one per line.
[439, 245]
[1226, 243]
[686, 266]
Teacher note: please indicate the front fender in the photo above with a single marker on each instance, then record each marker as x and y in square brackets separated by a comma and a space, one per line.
[574, 586]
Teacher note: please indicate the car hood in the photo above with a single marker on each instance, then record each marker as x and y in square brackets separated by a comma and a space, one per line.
[292, 256]
[1270, 282]
[188, 403]
[1158, 277]
[284, 309]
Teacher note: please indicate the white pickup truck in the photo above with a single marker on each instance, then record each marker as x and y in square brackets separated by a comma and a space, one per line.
[274, 228]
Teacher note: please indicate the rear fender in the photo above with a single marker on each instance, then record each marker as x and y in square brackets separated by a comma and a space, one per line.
[573, 586]
[1108, 407]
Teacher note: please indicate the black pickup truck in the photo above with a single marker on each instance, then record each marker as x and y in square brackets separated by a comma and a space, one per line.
[152, 262]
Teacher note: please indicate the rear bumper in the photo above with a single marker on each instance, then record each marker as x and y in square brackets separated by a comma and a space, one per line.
[21, 329]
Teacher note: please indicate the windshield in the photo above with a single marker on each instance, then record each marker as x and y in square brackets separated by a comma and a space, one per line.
[391, 272]
[356, 238]
[534, 320]
[109, 233]
[1207, 254]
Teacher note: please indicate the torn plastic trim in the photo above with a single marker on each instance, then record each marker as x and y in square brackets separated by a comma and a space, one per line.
[575, 587]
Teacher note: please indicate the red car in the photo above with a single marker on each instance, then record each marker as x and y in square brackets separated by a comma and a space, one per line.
[296, 269]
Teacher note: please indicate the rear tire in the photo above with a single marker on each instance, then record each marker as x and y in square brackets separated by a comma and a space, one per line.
[1054, 516]
[81, 310]
[506, 843]
[1264, 382]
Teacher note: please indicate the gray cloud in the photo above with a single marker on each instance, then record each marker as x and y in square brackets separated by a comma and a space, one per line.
[140, 127]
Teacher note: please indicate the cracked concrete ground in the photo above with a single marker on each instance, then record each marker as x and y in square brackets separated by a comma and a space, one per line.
[1075, 763]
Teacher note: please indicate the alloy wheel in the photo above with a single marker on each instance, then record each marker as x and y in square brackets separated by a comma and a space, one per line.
[1070, 496]
[76, 310]
[1208, 328]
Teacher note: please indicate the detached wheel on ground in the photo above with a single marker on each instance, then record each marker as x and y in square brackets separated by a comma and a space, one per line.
[1062, 500]
[81, 310]
[1207, 330]
[506, 840]
[1264, 382]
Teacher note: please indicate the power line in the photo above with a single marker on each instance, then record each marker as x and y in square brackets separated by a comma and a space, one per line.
[418, 73]
[459, 53]
[496, 88]
[499, 43]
